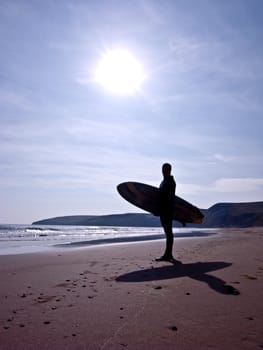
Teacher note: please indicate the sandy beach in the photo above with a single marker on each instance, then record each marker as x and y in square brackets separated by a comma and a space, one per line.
[117, 297]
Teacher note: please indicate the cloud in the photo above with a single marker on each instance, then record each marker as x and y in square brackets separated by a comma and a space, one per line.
[12, 99]
[227, 185]
[239, 185]
[74, 153]
[223, 158]
[223, 190]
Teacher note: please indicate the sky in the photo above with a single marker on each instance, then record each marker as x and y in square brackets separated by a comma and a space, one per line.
[66, 141]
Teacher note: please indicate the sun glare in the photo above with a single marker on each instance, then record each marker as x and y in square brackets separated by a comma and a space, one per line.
[119, 72]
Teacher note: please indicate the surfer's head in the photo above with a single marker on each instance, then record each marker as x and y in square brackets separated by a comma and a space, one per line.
[166, 169]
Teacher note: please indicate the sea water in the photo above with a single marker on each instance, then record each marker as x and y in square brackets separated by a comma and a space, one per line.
[18, 239]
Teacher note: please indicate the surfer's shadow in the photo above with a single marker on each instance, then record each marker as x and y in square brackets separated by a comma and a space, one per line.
[198, 271]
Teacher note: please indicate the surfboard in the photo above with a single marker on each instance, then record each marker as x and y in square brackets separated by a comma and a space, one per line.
[146, 197]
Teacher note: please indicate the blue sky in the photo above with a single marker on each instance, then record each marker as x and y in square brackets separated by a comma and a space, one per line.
[65, 142]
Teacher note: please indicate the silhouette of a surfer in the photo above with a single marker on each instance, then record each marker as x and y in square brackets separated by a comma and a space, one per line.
[167, 192]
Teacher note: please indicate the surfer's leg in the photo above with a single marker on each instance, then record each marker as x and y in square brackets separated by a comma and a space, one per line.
[169, 238]
[167, 223]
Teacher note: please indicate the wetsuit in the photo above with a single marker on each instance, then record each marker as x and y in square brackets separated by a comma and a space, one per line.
[167, 192]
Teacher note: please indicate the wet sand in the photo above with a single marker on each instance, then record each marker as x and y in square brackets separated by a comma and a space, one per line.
[118, 297]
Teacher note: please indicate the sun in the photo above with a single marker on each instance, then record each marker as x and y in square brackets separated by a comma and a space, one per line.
[119, 72]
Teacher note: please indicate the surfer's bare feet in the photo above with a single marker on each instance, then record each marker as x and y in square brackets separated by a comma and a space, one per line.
[164, 258]
[168, 258]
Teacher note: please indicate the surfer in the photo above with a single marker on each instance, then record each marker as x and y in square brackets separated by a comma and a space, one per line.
[167, 192]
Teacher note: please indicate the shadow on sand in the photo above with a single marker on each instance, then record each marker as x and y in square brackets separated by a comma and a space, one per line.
[198, 271]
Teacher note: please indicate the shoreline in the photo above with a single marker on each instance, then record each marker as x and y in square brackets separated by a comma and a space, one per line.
[116, 296]
[14, 247]
[137, 239]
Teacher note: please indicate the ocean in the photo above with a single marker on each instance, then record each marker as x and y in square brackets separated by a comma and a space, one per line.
[19, 239]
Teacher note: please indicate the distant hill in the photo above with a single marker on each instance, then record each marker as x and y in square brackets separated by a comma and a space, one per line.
[130, 219]
[234, 215]
[219, 215]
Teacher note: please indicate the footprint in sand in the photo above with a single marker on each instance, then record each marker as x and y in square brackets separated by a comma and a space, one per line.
[93, 263]
[158, 287]
[123, 344]
[249, 277]
[45, 299]
[64, 284]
